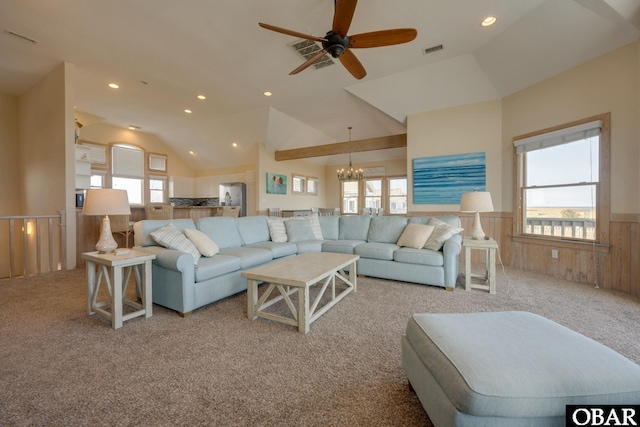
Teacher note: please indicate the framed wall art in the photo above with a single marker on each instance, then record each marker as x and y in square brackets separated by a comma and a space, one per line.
[443, 179]
[276, 183]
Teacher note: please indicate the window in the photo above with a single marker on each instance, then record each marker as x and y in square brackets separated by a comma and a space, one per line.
[397, 195]
[157, 189]
[157, 162]
[350, 197]
[373, 193]
[97, 179]
[127, 172]
[298, 184]
[312, 186]
[563, 177]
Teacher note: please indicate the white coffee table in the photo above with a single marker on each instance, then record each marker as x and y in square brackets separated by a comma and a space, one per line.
[298, 274]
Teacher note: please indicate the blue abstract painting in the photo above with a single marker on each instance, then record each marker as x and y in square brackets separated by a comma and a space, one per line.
[443, 179]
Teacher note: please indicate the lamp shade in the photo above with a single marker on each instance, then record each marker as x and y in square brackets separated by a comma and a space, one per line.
[106, 201]
[476, 201]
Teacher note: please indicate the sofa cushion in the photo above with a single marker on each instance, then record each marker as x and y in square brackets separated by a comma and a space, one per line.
[442, 232]
[170, 237]
[376, 250]
[142, 229]
[386, 229]
[249, 257]
[341, 246]
[277, 230]
[205, 245]
[253, 229]
[354, 227]
[222, 230]
[415, 236]
[314, 219]
[330, 226]
[419, 256]
[278, 249]
[310, 246]
[299, 230]
[208, 268]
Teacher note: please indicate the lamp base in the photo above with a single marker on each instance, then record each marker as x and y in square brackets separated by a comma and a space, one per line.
[107, 243]
[476, 232]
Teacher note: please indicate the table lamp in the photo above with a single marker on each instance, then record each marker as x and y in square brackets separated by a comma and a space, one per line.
[106, 201]
[476, 201]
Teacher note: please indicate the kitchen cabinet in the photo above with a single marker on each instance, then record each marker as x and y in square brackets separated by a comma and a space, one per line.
[180, 186]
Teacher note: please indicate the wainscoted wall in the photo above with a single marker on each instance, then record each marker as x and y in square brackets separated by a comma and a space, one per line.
[616, 267]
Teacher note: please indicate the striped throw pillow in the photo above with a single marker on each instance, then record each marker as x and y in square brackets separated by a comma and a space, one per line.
[171, 237]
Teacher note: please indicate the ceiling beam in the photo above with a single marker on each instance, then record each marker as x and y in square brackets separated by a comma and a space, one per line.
[370, 144]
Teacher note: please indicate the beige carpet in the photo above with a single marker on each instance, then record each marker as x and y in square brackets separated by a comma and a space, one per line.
[61, 367]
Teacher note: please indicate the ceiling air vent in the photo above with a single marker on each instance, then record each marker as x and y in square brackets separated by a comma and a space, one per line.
[21, 37]
[432, 49]
[307, 49]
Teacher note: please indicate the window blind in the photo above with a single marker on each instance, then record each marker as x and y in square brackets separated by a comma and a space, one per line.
[157, 162]
[127, 162]
[558, 137]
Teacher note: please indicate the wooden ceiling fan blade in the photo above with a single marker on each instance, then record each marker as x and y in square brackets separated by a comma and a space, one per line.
[291, 33]
[309, 62]
[343, 15]
[383, 38]
[352, 64]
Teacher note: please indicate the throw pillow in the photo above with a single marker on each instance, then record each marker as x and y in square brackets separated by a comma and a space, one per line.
[205, 245]
[315, 225]
[299, 230]
[441, 233]
[170, 237]
[415, 236]
[277, 230]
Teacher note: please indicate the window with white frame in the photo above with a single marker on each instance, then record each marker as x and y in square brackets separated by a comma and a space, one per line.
[97, 178]
[563, 177]
[157, 189]
[349, 197]
[397, 195]
[312, 186]
[373, 193]
[298, 184]
[127, 172]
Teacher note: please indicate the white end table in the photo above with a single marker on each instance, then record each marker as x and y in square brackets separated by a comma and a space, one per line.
[116, 270]
[489, 277]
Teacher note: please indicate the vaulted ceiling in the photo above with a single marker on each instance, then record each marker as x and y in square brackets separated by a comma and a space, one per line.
[164, 53]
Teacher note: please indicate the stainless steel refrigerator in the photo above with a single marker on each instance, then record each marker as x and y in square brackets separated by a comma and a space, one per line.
[234, 194]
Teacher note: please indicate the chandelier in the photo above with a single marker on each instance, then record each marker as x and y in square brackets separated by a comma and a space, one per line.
[350, 174]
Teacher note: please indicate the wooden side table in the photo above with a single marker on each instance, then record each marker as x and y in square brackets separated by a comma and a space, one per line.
[489, 277]
[116, 270]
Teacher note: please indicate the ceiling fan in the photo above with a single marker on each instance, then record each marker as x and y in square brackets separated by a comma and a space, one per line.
[337, 43]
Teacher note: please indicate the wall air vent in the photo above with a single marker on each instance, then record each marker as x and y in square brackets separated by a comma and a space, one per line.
[21, 37]
[432, 49]
[307, 49]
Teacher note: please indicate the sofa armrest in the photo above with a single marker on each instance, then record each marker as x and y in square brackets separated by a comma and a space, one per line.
[451, 251]
[170, 259]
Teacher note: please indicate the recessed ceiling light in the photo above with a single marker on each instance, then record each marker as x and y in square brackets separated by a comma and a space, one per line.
[235, 144]
[202, 97]
[192, 153]
[488, 21]
[267, 93]
[188, 111]
[132, 127]
[113, 86]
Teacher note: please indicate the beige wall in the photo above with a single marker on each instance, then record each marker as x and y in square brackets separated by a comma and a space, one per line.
[104, 133]
[465, 129]
[609, 83]
[268, 164]
[10, 180]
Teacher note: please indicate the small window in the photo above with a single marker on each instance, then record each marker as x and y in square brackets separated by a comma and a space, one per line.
[373, 193]
[157, 189]
[350, 197]
[157, 162]
[299, 184]
[397, 195]
[97, 179]
[312, 186]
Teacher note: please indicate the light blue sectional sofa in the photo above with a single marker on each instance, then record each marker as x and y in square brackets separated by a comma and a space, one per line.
[246, 242]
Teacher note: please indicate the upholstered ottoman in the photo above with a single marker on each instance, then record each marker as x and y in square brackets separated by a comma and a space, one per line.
[509, 369]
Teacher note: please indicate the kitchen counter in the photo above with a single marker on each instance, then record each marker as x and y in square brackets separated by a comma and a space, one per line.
[196, 212]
